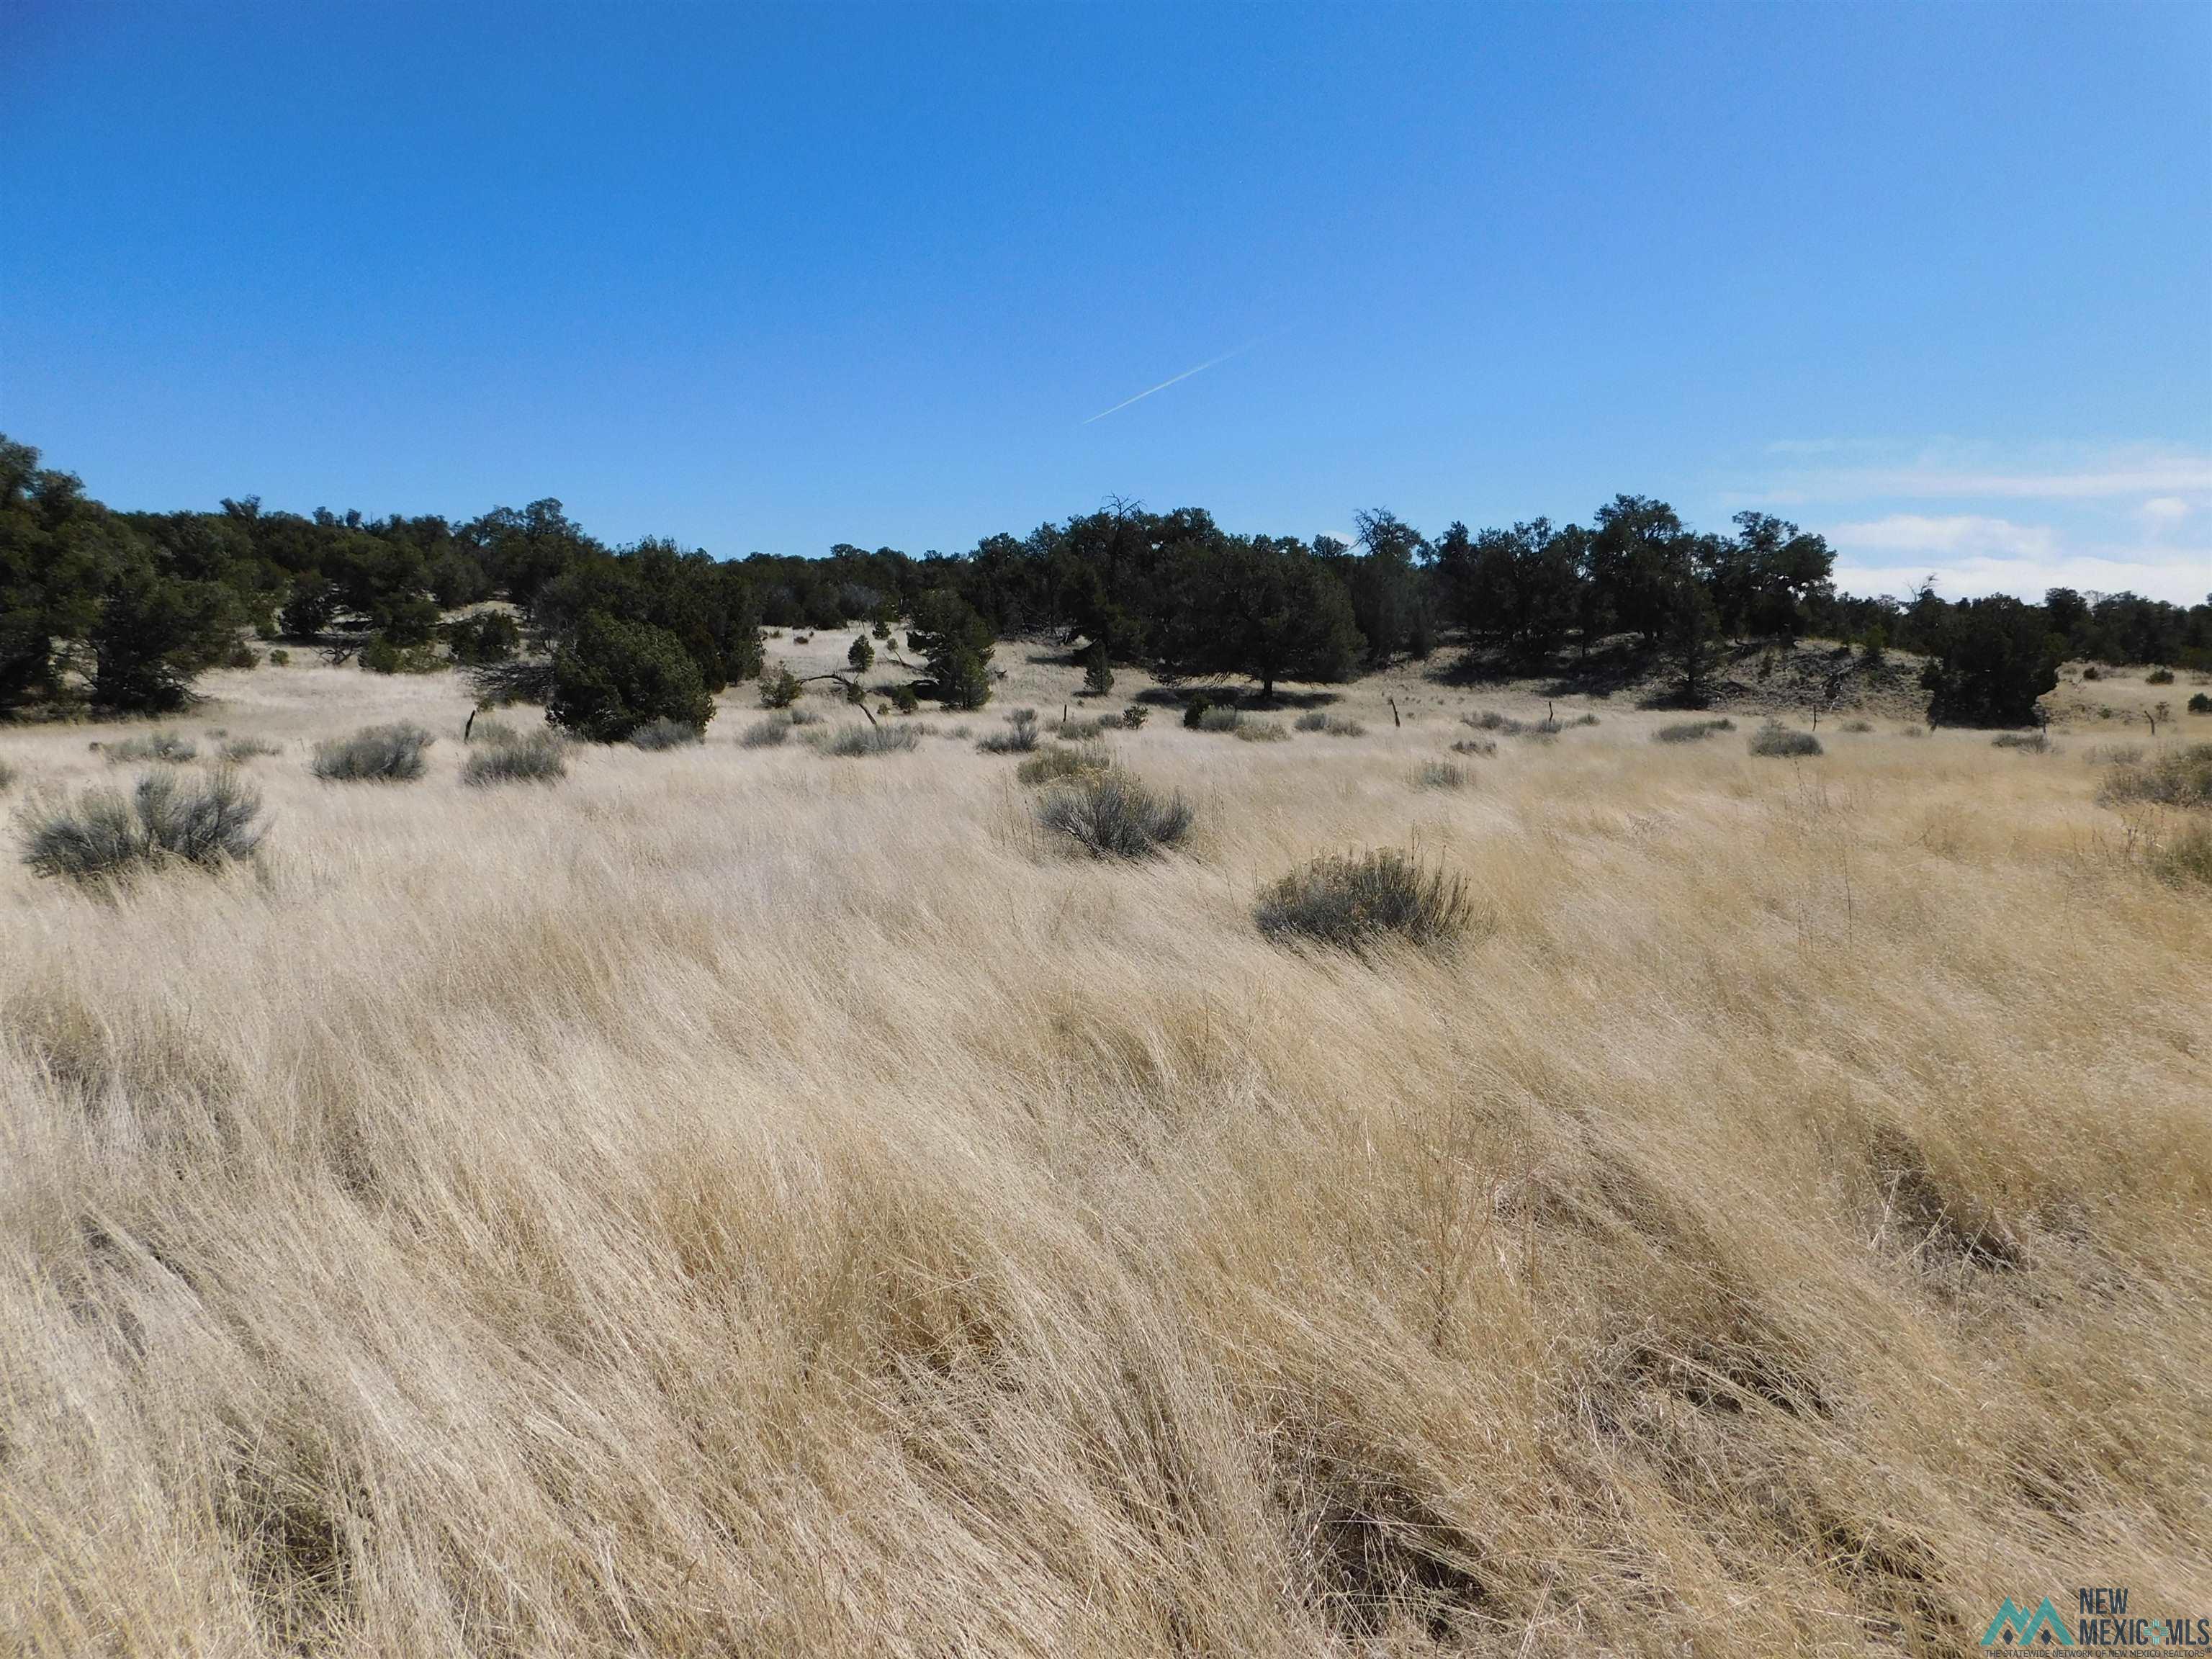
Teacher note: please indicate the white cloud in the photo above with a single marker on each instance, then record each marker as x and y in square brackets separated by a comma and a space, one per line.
[1952, 535]
[1981, 472]
[2165, 511]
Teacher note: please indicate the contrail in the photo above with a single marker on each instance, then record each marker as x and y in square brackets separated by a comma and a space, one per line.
[1170, 381]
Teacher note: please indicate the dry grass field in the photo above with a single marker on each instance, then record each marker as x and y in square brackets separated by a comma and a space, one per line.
[742, 1200]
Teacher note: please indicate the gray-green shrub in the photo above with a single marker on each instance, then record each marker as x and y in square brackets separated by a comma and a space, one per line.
[1113, 814]
[1783, 740]
[537, 758]
[1355, 899]
[151, 746]
[1057, 763]
[851, 742]
[168, 817]
[375, 754]
[666, 735]
[1442, 775]
[1019, 737]
[2181, 777]
[1219, 718]
[238, 751]
[1691, 731]
[1262, 731]
[765, 734]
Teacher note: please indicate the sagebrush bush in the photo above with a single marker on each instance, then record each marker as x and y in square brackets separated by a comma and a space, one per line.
[2034, 742]
[1486, 747]
[1330, 725]
[491, 731]
[537, 758]
[666, 735]
[1262, 731]
[168, 817]
[151, 746]
[1355, 899]
[1442, 775]
[2200, 704]
[375, 754]
[1691, 731]
[280, 657]
[1019, 737]
[1858, 726]
[2158, 676]
[237, 750]
[1081, 731]
[1199, 704]
[765, 734]
[1057, 763]
[2181, 777]
[1219, 718]
[2184, 856]
[800, 715]
[1113, 814]
[1783, 740]
[850, 742]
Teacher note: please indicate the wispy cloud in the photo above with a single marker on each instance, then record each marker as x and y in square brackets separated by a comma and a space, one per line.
[1212, 362]
[1980, 473]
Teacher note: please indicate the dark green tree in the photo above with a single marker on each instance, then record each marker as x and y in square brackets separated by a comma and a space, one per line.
[614, 676]
[1261, 607]
[1997, 656]
[955, 643]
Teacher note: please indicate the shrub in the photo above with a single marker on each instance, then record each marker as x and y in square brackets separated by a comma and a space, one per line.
[1059, 763]
[492, 731]
[850, 742]
[1261, 731]
[1485, 747]
[1489, 719]
[2200, 704]
[169, 816]
[153, 746]
[1097, 670]
[487, 637]
[2182, 777]
[2092, 672]
[1084, 731]
[1019, 737]
[239, 749]
[779, 687]
[860, 656]
[2158, 676]
[1112, 814]
[280, 657]
[666, 733]
[1780, 740]
[375, 754]
[1201, 703]
[1134, 716]
[2034, 742]
[1330, 725]
[2185, 856]
[764, 734]
[615, 676]
[537, 758]
[241, 655]
[1220, 717]
[8, 775]
[1440, 775]
[1858, 726]
[1356, 900]
[1691, 731]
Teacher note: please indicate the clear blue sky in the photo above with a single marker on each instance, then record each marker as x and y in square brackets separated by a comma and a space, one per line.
[1935, 279]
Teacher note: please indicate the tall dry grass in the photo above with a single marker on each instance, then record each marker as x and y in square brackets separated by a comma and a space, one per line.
[739, 1204]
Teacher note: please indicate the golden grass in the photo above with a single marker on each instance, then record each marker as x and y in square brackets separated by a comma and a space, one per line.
[743, 1202]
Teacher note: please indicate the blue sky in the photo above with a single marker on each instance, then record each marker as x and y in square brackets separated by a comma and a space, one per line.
[1937, 280]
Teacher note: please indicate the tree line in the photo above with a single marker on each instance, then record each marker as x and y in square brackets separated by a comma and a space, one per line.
[123, 609]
